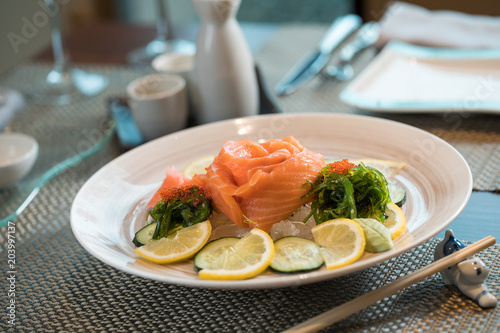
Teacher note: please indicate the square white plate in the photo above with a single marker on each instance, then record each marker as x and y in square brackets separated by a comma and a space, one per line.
[409, 78]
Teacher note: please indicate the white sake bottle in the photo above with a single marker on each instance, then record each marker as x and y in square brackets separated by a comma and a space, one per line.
[224, 69]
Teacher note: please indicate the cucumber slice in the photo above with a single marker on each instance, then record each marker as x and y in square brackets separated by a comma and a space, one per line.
[144, 235]
[397, 194]
[213, 250]
[295, 254]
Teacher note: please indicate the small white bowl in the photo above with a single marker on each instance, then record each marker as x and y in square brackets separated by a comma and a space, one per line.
[173, 63]
[18, 153]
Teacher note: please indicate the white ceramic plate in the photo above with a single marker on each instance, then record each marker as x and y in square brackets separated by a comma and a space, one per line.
[409, 78]
[110, 207]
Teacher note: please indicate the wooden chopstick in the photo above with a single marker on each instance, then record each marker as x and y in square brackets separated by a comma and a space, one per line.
[342, 311]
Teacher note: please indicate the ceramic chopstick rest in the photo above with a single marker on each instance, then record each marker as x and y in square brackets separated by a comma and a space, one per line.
[468, 275]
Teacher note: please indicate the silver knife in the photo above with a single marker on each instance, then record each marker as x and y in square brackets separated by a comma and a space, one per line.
[367, 35]
[314, 63]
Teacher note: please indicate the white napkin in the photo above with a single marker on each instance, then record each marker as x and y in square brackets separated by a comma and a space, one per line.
[440, 28]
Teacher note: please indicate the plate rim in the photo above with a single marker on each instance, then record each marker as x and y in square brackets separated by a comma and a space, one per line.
[276, 281]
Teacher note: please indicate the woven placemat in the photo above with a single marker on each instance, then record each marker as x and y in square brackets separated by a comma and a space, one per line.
[476, 137]
[59, 287]
[62, 288]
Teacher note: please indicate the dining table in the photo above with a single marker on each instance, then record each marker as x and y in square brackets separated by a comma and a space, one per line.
[52, 284]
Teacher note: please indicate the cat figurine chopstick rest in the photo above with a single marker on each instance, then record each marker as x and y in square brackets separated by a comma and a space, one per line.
[467, 275]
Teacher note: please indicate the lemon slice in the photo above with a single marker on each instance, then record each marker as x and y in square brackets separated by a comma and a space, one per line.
[342, 242]
[247, 258]
[396, 222]
[387, 168]
[197, 167]
[176, 247]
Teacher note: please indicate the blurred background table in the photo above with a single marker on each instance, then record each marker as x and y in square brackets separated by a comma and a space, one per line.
[73, 291]
[109, 42]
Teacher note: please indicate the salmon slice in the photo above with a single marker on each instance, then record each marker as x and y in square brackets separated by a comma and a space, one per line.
[173, 178]
[257, 185]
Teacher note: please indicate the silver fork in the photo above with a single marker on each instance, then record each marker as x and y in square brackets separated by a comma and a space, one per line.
[367, 35]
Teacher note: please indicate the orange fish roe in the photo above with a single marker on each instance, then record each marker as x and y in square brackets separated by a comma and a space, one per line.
[182, 193]
[340, 166]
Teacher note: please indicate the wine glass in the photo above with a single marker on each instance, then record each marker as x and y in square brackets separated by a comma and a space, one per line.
[65, 84]
[163, 42]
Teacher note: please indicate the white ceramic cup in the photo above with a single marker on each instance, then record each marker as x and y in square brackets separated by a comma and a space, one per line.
[159, 104]
[179, 64]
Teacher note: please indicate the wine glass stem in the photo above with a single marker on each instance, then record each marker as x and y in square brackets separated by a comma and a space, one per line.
[60, 58]
[163, 24]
